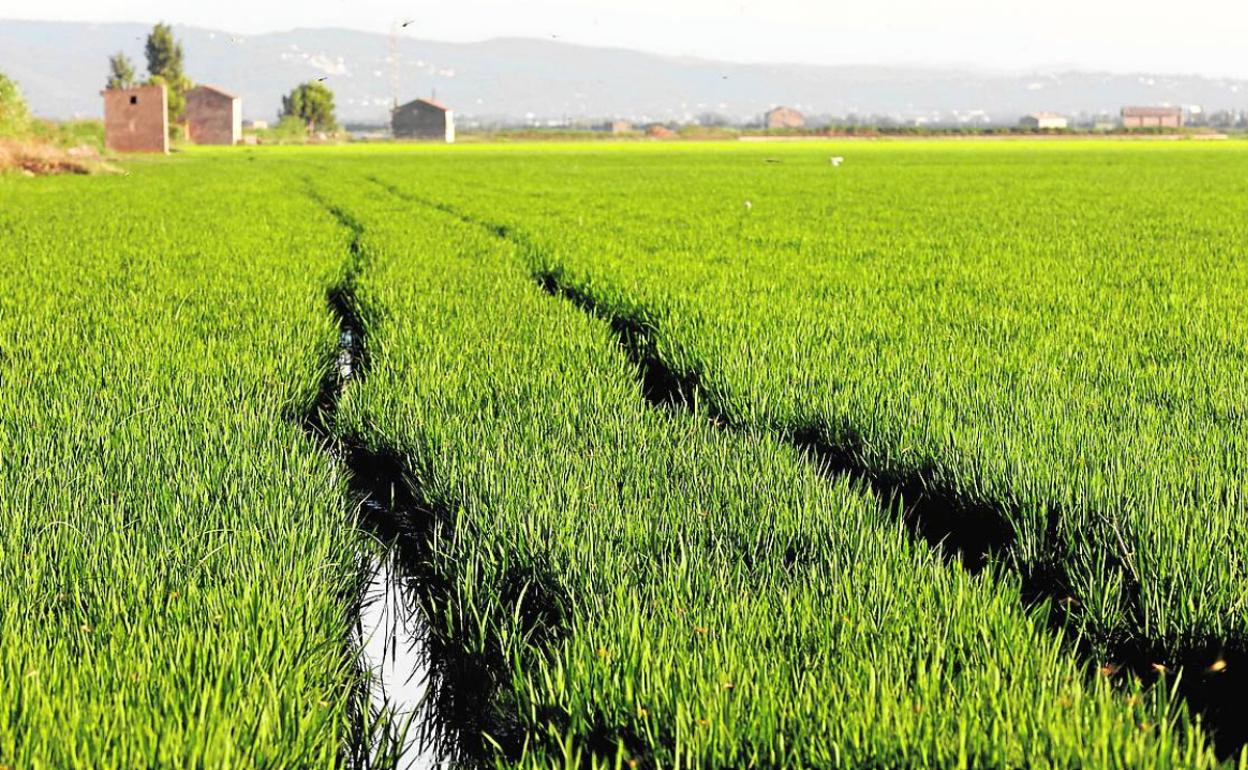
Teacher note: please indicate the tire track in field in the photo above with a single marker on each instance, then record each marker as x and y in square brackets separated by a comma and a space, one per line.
[445, 721]
[1209, 675]
[970, 534]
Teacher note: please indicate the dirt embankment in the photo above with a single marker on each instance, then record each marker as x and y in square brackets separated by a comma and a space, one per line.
[40, 159]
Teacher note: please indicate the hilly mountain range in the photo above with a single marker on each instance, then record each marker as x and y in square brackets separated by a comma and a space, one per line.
[61, 67]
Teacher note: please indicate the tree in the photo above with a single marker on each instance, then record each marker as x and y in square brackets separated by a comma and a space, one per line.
[164, 67]
[120, 71]
[313, 104]
[14, 117]
[164, 53]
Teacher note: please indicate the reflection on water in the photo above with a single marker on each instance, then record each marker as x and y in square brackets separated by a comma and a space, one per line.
[346, 354]
[404, 727]
[393, 649]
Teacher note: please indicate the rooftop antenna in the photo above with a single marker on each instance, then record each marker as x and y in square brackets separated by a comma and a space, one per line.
[395, 27]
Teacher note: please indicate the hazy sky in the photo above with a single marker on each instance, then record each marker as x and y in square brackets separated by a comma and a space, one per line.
[1199, 36]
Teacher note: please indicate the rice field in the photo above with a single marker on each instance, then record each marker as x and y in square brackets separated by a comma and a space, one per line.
[698, 455]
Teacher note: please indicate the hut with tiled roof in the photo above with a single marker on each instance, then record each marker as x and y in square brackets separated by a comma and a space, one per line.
[423, 119]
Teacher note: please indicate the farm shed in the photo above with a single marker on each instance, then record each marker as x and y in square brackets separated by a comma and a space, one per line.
[1044, 120]
[423, 119]
[617, 127]
[213, 116]
[136, 119]
[783, 117]
[1152, 117]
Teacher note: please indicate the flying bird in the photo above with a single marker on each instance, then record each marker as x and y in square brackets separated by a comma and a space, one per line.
[836, 160]
[408, 22]
[322, 78]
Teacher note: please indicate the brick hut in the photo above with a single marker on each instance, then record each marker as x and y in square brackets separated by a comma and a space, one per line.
[1152, 117]
[783, 117]
[423, 119]
[136, 119]
[213, 116]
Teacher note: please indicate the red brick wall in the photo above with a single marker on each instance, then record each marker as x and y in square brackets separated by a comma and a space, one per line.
[210, 117]
[783, 117]
[1152, 121]
[135, 119]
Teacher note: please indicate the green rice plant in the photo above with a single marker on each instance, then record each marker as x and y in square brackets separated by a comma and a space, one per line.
[177, 556]
[1053, 332]
[643, 588]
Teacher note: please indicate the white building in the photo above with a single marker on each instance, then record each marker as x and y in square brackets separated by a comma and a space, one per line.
[1044, 120]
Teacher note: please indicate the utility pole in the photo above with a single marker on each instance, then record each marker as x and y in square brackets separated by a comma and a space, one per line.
[394, 64]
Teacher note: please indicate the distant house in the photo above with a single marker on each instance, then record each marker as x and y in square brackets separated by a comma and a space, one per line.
[213, 116]
[1044, 120]
[136, 119]
[255, 125]
[423, 119]
[783, 117]
[617, 127]
[1152, 117]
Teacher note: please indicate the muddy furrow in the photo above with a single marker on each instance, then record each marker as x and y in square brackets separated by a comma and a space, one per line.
[971, 534]
[429, 702]
[1209, 675]
[968, 534]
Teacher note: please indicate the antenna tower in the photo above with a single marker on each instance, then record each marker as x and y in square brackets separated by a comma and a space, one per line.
[394, 64]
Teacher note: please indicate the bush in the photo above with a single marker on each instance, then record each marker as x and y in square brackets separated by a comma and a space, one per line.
[69, 133]
[288, 130]
[14, 115]
[36, 147]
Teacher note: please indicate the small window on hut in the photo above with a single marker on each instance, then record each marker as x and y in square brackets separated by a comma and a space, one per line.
[134, 100]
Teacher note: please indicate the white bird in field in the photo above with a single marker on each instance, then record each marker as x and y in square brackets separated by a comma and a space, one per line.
[748, 205]
[837, 160]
